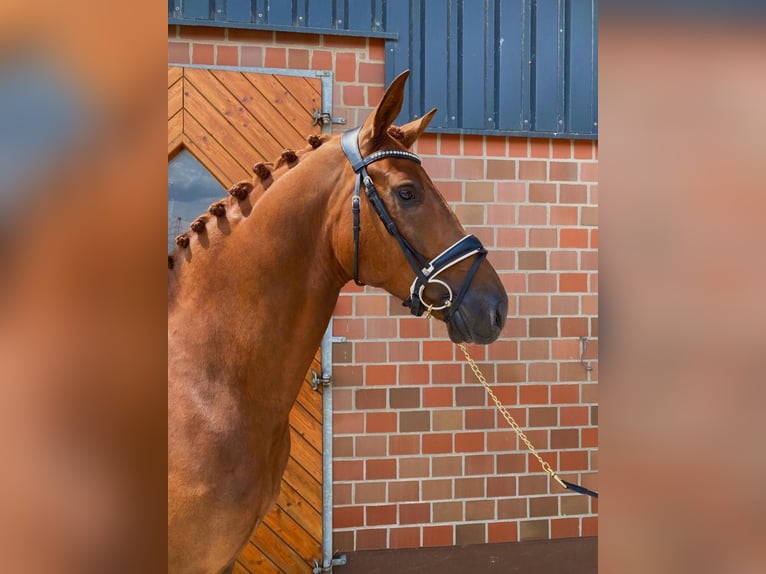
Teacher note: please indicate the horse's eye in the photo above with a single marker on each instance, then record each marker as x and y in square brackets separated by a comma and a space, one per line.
[406, 194]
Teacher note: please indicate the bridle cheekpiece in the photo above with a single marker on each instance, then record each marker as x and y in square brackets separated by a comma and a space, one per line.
[425, 271]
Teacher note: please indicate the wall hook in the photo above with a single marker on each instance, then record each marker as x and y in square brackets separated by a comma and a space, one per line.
[583, 348]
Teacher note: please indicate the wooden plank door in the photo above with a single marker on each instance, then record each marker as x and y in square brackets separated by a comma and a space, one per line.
[228, 121]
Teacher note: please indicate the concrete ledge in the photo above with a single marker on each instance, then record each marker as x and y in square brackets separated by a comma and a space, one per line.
[562, 556]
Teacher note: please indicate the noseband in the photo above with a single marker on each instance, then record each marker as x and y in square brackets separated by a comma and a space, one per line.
[425, 271]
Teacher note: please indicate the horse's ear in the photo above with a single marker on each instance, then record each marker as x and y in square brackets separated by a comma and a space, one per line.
[386, 111]
[412, 130]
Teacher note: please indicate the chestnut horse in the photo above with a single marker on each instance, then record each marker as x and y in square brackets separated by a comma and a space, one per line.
[251, 290]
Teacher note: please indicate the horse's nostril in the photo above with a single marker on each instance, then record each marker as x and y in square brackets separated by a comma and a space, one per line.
[499, 318]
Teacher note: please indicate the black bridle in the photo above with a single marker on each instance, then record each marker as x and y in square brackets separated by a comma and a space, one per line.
[425, 271]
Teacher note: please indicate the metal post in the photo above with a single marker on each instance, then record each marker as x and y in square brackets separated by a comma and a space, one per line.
[327, 560]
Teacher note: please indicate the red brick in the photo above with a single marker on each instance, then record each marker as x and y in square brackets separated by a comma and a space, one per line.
[480, 510]
[479, 464]
[539, 147]
[533, 215]
[533, 170]
[202, 54]
[565, 393]
[573, 283]
[372, 73]
[473, 487]
[441, 489]
[413, 375]
[502, 532]
[298, 59]
[563, 215]
[341, 494]
[417, 513]
[565, 304]
[447, 374]
[370, 399]
[404, 444]
[374, 352]
[427, 144]
[574, 327]
[573, 460]
[562, 149]
[499, 486]
[403, 352]
[542, 237]
[442, 535]
[413, 327]
[496, 146]
[533, 394]
[449, 144]
[563, 171]
[438, 397]
[345, 65]
[348, 42]
[347, 516]
[564, 439]
[297, 38]
[438, 168]
[503, 441]
[437, 443]
[511, 464]
[573, 193]
[518, 147]
[376, 49]
[275, 58]
[321, 60]
[589, 172]
[414, 467]
[371, 446]
[469, 168]
[577, 238]
[470, 396]
[380, 423]
[348, 423]
[594, 238]
[573, 416]
[374, 94]
[370, 539]
[353, 95]
[380, 375]
[343, 446]
[543, 506]
[542, 192]
[564, 261]
[470, 534]
[542, 372]
[511, 191]
[379, 515]
[513, 237]
[533, 530]
[403, 491]
[473, 145]
[529, 260]
[583, 149]
[565, 528]
[501, 169]
[227, 56]
[251, 36]
[377, 469]
[178, 53]
[589, 438]
[469, 442]
[201, 33]
[381, 328]
[348, 470]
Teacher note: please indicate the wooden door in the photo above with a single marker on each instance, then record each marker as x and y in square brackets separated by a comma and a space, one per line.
[228, 121]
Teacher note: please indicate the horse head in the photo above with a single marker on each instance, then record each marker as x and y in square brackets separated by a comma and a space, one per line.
[402, 227]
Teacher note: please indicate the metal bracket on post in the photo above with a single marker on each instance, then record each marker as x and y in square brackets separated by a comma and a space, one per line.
[319, 569]
[316, 380]
[325, 118]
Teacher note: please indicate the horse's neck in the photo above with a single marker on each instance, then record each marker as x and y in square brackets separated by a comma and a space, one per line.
[262, 298]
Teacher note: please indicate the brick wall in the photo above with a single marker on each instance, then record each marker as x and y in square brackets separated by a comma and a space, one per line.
[421, 457]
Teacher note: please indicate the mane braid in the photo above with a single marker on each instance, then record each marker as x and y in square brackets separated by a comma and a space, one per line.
[266, 173]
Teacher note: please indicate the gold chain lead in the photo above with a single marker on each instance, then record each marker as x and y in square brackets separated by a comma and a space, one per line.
[511, 421]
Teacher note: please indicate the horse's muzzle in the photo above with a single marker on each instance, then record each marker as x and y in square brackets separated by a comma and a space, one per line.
[480, 319]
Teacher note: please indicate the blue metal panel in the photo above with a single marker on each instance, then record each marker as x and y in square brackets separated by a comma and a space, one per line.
[320, 13]
[198, 9]
[521, 67]
[433, 79]
[239, 10]
[511, 68]
[280, 13]
[581, 69]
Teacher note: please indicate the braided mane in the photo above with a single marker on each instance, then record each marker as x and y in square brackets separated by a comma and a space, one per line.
[244, 194]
